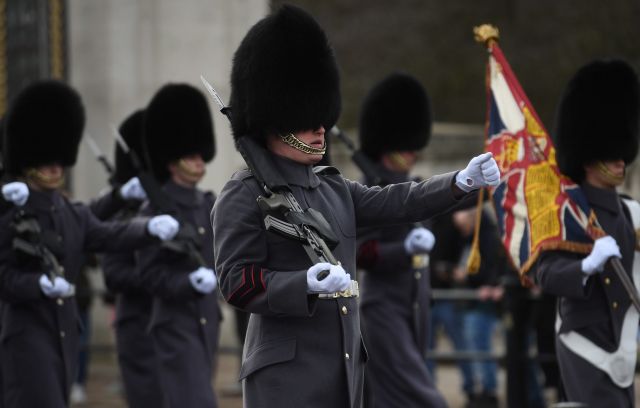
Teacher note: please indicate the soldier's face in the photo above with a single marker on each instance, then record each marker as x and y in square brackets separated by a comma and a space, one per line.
[401, 161]
[46, 177]
[314, 138]
[188, 171]
[607, 174]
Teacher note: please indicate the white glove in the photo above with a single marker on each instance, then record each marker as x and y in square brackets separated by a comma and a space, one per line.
[16, 193]
[132, 190]
[337, 280]
[603, 249]
[59, 288]
[419, 241]
[482, 171]
[203, 280]
[164, 227]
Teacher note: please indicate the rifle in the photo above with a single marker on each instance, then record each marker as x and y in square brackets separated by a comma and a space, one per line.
[29, 240]
[366, 166]
[283, 213]
[101, 157]
[185, 241]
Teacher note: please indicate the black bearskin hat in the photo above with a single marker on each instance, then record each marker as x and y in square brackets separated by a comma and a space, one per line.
[396, 115]
[131, 131]
[597, 117]
[177, 123]
[284, 77]
[44, 125]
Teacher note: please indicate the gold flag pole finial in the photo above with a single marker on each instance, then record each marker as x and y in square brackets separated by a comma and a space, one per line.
[486, 33]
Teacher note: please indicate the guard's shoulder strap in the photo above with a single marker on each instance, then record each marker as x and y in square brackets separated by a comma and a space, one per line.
[242, 175]
[325, 170]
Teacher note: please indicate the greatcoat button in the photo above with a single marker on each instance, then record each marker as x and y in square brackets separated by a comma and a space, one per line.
[62, 334]
[615, 305]
[344, 310]
[203, 321]
[201, 230]
[60, 301]
[607, 281]
[346, 355]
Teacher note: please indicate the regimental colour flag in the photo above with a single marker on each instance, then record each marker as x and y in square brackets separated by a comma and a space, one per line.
[537, 208]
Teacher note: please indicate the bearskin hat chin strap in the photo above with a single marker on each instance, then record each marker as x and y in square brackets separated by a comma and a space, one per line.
[608, 175]
[43, 181]
[298, 144]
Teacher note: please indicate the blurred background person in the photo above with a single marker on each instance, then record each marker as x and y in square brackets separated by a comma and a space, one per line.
[395, 123]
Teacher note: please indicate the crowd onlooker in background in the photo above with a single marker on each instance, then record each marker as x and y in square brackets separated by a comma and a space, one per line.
[445, 314]
[481, 316]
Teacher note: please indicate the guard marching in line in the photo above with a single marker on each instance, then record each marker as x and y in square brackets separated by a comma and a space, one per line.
[43, 240]
[596, 137]
[137, 361]
[303, 346]
[178, 141]
[395, 123]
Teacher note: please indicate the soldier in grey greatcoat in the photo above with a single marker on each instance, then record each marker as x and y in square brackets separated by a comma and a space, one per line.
[303, 346]
[596, 325]
[395, 122]
[178, 141]
[39, 338]
[137, 361]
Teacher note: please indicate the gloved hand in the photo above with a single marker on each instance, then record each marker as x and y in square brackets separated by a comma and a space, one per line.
[419, 241]
[164, 227]
[337, 280]
[603, 249]
[482, 171]
[132, 190]
[203, 280]
[59, 288]
[16, 192]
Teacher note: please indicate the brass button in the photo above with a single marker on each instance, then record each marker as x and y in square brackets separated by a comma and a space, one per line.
[607, 281]
[201, 230]
[60, 301]
[418, 275]
[62, 334]
[615, 305]
[344, 310]
[203, 321]
[346, 355]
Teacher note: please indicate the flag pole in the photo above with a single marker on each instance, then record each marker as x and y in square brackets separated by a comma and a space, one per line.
[486, 34]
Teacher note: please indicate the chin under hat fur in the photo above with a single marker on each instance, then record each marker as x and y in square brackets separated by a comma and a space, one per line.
[44, 125]
[598, 116]
[396, 116]
[131, 131]
[284, 77]
[177, 123]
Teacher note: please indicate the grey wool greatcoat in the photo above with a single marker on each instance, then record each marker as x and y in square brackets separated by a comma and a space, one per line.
[184, 323]
[396, 295]
[137, 361]
[595, 310]
[300, 350]
[39, 337]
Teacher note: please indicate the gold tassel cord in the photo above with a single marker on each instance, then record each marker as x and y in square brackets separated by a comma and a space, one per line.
[473, 262]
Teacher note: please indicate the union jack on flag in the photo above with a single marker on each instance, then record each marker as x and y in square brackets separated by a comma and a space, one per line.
[537, 208]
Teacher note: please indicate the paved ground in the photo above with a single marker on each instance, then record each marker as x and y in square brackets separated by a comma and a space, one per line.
[104, 390]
